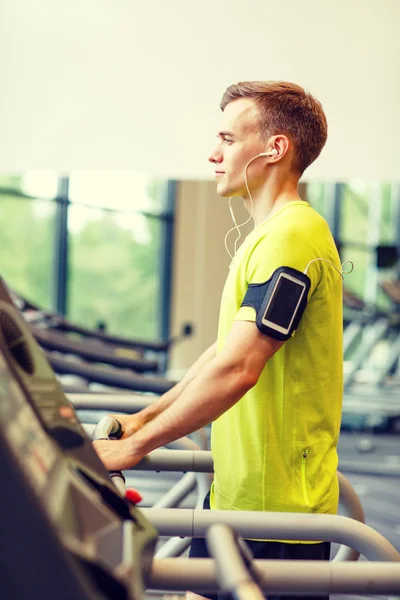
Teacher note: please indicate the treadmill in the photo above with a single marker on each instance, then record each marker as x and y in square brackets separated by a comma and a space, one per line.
[56, 322]
[66, 531]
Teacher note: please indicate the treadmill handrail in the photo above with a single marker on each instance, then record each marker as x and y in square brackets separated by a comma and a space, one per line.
[51, 340]
[276, 526]
[110, 376]
[129, 403]
[202, 461]
[234, 575]
[60, 322]
[134, 343]
[303, 577]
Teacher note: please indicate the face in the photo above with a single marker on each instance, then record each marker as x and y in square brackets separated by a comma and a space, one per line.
[239, 140]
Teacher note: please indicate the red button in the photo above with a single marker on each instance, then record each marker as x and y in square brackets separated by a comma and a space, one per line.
[133, 496]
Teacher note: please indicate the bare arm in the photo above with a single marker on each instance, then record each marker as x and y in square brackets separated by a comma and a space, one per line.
[221, 383]
[134, 422]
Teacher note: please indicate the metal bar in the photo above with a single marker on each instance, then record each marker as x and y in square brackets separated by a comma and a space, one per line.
[60, 262]
[372, 336]
[372, 400]
[186, 460]
[374, 232]
[364, 467]
[177, 545]
[145, 213]
[105, 427]
[276, 526]
[19, 194]
[119, 483]
[165, 272]
[233, 575]
[182, 460]
[391, 361]
[129, 403]
[201, 461]
[335, 205]
[351, 506]
[295, 577]
[395, 206]
[173, 547]
[117, 378]
[352, 330]
[178, 492]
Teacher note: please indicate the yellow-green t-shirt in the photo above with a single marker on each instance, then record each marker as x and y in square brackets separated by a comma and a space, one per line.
[275, 449]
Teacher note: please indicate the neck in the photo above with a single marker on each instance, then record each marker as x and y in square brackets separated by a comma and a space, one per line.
[271, 197]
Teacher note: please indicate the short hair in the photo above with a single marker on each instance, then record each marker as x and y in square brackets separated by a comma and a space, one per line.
[286, 108]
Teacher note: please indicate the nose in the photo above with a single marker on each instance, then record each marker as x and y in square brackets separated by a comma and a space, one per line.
[216, 155]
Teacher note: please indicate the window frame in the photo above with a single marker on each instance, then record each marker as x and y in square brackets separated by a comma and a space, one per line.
[60, 260]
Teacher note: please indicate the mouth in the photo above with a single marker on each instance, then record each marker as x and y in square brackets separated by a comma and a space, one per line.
[219, 173]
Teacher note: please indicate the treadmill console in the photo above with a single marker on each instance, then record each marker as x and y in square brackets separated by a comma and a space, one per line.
[35, 376]
[66, 531]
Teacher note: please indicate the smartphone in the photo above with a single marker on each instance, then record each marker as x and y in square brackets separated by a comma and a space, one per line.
[283, 303]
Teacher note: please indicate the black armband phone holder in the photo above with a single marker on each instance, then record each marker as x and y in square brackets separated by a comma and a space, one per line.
[279, 302]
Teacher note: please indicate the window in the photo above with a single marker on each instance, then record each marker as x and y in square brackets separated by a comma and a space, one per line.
[114, 267]
[116, 238]
[116, 225]
[27, 222]
[365, 216]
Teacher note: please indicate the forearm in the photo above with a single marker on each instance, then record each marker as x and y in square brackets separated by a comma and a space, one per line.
[220, 383]
[167, 399]
[210, 394]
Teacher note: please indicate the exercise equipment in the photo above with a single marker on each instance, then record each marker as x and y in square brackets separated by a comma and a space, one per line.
[53, 321]
[235, 570]
[372, 406]
[96, 353]
[354, 456]
[350, 532]
[67, 531]
[109, 376]
[92, 357]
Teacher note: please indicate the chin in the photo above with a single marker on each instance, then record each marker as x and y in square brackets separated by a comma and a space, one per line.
[223, 191]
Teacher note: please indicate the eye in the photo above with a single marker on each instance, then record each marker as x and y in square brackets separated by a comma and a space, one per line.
[228, 141]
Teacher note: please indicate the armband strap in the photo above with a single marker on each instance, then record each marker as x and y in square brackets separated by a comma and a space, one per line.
[280, 302]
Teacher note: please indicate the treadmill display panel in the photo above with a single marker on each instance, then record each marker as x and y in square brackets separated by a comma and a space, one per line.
[30, 444]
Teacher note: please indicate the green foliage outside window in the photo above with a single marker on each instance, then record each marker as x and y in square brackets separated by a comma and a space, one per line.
[113, 277]
[114, 255]
[115, 252]
[26, 247]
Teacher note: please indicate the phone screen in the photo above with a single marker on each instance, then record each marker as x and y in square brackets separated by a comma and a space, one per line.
[284, 302]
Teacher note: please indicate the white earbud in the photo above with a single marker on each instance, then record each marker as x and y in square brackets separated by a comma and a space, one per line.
[272, 152]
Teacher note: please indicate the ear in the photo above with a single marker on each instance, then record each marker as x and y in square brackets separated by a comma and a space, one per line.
[281, 144]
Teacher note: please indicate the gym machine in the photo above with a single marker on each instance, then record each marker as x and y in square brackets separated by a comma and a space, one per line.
[68, 532]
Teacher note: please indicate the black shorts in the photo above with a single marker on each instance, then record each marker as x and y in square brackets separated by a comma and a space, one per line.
[273, 550]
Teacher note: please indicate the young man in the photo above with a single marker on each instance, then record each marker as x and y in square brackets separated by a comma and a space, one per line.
[275, 404]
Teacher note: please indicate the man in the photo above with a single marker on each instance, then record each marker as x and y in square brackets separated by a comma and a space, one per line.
[275, 404]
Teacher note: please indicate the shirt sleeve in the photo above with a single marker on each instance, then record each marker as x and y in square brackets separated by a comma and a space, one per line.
[290, 248]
